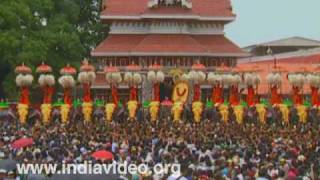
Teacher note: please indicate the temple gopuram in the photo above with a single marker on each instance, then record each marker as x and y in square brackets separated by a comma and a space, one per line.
[172, 34]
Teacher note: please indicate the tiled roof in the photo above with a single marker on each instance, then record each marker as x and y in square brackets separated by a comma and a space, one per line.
[160, 44]
[202, 8]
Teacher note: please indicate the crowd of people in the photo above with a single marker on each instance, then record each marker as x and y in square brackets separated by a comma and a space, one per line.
[207, 150]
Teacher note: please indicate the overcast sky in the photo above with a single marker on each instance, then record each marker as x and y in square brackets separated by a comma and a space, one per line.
[266, 20]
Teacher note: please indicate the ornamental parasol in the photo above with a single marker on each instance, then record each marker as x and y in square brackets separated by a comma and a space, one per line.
[21, 143]
[103, 155]
[86, 67]
[133, 67]
[223, 68]
[68, 70]
[198, 66]
[23, 69]
[155, 67]
[111, 69]
[44, 68]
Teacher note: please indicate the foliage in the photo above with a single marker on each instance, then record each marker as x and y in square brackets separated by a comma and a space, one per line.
[54, 31]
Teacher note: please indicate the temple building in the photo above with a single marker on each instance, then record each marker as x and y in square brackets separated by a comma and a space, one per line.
[171, 33]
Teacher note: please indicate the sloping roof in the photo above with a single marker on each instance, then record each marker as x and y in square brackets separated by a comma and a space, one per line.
[138, 9]
[167, 45]
[289, 42]
[301, 56]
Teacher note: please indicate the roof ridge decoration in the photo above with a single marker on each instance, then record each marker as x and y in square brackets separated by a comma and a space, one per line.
[170, 3]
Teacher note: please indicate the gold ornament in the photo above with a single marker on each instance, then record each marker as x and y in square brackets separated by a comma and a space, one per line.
[110, 107]
[65, 109]
[132, 108]
[87, 109]
[23, 112]
[197, 109]
[46, 113]
[238, 111]
[154, 110]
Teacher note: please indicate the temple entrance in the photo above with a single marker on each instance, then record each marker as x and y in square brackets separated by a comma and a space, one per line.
[166, 89]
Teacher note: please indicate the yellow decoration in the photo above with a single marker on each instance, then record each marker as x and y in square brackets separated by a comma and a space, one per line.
[285, 112]
[197, 109]
[261, 109]
[110, 107]
[238, 111]
[23, 110]
[224, 111]
[46, 113]
[87, 109]
[302, 113]
[180, 92]
[154, 110]
[132, 108]
[176, 110]
[65, 109]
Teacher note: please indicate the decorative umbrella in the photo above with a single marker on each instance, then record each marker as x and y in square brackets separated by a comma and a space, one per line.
[155, 67]
[223, 68]
[103, 155]
[23, 69]
[68, 70]
[133, 67]
[111, 69]
[198, 66]
[23, 142]
[44, 68]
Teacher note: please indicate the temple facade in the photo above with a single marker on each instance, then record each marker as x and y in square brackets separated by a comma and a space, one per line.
[170, 33]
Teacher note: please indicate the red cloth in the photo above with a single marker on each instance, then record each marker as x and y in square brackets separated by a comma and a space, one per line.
[234, 95]
[197, 93]
[67, 96]
[24, 98]
[86, 93]
[114, 93]
[314, 96]
[297, 98]
[275, 97]
[251, 96]
[133, 93]
[47, 94]
[156, 92]
[217, 94]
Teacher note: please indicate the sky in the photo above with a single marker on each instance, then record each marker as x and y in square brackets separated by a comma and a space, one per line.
[266, 20]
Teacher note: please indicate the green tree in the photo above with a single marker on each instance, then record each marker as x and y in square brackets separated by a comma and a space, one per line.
[54, 31]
